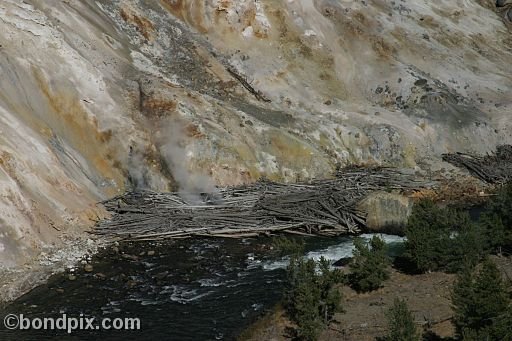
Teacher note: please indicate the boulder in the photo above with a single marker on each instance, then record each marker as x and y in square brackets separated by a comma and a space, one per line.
[386, 212]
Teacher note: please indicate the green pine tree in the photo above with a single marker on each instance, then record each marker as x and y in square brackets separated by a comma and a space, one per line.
[428, 235]
[497, 218]
[369, 266]
[494, 230]
[401, 323]
[468, 244]
[302, 296]
[330, 296]
[288, 246]
[442, 238]
[480, 300]
[311, 298]
[502, 326]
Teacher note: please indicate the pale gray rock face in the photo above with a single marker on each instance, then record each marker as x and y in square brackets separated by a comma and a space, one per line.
[387, 212]
[99, 96]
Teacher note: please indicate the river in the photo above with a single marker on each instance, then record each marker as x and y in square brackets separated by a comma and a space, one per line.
[203, 289]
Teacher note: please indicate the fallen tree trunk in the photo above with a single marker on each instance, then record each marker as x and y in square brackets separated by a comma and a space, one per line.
[493, 168]
[320, 207]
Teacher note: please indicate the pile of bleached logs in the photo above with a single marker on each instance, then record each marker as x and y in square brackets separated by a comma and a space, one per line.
[493, 168]
[321, 207]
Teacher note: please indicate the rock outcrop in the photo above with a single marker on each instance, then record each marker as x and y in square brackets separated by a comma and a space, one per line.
[387, 212]
[99, 96]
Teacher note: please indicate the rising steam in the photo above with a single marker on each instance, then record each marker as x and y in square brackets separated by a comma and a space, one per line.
[178, 150]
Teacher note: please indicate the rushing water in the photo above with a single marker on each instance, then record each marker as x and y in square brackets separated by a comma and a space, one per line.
[182, 290]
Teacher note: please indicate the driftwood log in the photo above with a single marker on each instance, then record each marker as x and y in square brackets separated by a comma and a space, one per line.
[493, 168]
[257, 93]
[321, 207]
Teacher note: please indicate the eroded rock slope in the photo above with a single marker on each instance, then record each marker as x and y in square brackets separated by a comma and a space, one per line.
[100, 96]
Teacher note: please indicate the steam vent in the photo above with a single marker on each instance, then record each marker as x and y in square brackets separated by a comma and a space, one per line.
[100, 98]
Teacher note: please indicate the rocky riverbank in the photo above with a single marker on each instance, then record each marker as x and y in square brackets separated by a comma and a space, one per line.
[16, 281]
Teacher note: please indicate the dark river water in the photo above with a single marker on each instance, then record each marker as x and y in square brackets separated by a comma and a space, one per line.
[205, 289]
